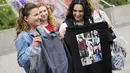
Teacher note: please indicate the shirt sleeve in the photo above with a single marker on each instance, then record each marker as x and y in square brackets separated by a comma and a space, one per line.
[24, 50]
[62, 28]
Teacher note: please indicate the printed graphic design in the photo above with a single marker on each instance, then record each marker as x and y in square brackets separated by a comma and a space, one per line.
[89, 47]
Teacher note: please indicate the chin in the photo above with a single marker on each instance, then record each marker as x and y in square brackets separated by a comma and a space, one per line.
[43, 20]
[78, 21]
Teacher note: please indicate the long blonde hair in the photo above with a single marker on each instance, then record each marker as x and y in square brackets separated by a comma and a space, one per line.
[93, 6]
[51, 19]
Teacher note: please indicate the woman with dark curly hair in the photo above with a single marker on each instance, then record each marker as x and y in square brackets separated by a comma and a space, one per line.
[82, 13]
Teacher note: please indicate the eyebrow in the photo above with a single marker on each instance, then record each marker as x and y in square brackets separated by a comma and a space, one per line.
[77, 10]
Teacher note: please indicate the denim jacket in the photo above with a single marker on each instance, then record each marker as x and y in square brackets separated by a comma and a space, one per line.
[24, 47]
[53, 51]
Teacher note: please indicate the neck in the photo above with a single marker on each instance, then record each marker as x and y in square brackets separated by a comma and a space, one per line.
[79, 21]
[33, 28]
[44, 23]
[35, 31]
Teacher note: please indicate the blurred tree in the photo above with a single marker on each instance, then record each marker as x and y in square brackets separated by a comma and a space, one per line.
[7, 17]
[3, 2]
[117, 2]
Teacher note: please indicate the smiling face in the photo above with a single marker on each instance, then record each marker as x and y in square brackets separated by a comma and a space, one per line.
[43, 13]
[78, 12]
[33, 18]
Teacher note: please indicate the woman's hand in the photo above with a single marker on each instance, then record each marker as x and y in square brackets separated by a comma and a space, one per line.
[109, 25]
[36, 41]
[62, 33]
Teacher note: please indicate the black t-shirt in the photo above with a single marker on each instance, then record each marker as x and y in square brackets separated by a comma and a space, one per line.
[89, 46]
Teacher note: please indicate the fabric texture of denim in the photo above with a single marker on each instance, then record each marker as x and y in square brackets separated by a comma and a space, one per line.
[53, 49]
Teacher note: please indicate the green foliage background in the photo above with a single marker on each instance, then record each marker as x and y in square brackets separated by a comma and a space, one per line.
[116, 2]
[7, 16]
[3, 1]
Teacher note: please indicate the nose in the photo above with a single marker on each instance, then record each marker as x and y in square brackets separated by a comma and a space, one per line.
[39, 16]
[43, 14]
[77, 13]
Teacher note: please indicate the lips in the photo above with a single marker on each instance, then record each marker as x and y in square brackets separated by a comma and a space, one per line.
[43, 16]
[77, 18]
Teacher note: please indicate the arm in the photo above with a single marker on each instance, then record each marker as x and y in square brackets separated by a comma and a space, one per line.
[23, 52]
[62, 30]
[24, 48]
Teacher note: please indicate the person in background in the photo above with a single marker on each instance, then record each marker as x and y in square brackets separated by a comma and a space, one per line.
[51, 38]
[100, 14]
[47, 18]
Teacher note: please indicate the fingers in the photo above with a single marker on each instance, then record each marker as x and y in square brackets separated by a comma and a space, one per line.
[109, 26]
[61, 36]
[62, 33]
[36, 41]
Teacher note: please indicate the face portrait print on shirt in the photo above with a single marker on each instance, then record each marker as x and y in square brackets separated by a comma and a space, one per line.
[89, 47]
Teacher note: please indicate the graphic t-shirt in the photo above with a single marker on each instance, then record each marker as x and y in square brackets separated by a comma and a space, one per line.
[89, 45]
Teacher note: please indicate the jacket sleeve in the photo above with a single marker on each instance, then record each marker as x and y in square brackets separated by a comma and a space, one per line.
[23, 49]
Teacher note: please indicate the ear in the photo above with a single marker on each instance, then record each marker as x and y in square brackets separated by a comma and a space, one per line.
[26, 18]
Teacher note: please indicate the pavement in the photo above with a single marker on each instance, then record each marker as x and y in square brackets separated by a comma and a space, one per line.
[124, 33]
[8, 64]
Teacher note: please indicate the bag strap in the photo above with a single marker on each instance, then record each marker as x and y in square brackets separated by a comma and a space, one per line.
[99, 13]
[46, 30]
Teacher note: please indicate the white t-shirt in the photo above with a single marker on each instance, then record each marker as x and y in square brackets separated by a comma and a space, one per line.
[96, 16]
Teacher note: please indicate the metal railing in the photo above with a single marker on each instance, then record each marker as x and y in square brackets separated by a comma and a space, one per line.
[3, 5]
[14, 10]
[107, 3]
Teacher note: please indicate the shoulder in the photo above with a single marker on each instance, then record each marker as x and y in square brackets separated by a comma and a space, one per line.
[98, 11]
[64, 24]
[23, 36]
[104, 16]
[97, 16]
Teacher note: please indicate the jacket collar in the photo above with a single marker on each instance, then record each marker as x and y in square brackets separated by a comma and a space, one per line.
[32, 33]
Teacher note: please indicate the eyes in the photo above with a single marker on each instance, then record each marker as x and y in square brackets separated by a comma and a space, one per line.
[43, 11]
[80, 11]
[36, 14]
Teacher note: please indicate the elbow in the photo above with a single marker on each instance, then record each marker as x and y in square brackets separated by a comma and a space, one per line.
[23, 62]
